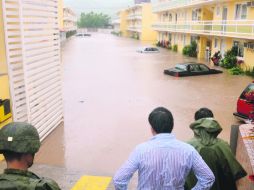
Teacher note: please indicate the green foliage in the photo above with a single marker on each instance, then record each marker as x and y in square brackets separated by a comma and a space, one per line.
[70, 33]
[175, 48]
[236, 71]
[234, 50]
[169, 47]
[230, 59]
[190, 50]
[250, 72]
[116, 33]
[158, 44]
[93, 20]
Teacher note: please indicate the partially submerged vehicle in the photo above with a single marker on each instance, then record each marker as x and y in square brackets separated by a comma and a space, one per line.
[245, 104]
[190, 69]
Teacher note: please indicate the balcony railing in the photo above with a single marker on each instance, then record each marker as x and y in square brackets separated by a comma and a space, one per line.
[173, 4]
[233, 28]
[136, 28]
[134, 17]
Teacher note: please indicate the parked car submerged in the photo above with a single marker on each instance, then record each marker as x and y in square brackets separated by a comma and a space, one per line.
[148, 50]
[245, 104]
[190, 69]
[83, 35]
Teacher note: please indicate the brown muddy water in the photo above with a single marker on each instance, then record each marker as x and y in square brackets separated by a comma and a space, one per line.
[109, 91]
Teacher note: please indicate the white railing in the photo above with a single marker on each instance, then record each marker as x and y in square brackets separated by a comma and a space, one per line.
[244, 29]
[134, 17]
[174, 4]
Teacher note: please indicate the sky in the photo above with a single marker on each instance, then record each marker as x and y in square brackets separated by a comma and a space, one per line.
[106, 6]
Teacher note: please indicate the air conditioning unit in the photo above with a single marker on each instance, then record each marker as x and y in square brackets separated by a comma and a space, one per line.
[250, 4]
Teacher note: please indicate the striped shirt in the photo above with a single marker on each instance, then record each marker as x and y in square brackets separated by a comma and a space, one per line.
[163, 163]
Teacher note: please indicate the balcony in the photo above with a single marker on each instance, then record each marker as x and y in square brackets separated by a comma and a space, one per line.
[137, 16]
[175, 4]
[230, 28]
[135, 28]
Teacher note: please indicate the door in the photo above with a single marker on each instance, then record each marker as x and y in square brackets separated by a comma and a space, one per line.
[224, 18]
[222, 47]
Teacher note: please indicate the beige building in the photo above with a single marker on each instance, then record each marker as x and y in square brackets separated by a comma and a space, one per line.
[214, 25]
[69, 20]
[136, 22]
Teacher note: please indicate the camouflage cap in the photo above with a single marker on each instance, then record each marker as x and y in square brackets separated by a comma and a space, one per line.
[19, 137]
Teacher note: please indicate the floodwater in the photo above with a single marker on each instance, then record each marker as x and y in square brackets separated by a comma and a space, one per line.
[110, 89]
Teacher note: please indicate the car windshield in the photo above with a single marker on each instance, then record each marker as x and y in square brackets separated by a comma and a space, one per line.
[181, 67]
[249, 89]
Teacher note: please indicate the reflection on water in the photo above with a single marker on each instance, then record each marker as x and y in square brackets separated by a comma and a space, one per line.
[109, 90]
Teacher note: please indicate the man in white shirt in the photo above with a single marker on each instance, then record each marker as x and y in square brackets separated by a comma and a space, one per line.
[163, 162]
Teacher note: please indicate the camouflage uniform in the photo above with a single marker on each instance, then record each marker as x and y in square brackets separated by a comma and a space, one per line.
[22, 138]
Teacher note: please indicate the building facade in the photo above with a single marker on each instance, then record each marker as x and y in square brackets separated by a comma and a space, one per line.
[142, 1]
[136, 22]
[69, 20]
[214, 25]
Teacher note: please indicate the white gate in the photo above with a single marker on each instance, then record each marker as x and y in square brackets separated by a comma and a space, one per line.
[33, 56]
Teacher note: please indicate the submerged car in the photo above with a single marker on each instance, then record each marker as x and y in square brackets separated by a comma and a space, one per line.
[148, 50]
[83, 35]
[190, 69]
[245, 105]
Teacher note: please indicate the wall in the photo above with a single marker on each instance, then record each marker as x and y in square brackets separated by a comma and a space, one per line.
[148, 18]
[4, 80]
[123, 22]
[60, 14]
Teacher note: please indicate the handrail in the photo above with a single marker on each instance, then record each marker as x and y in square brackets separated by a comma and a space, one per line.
[236, 27]
[173, 4]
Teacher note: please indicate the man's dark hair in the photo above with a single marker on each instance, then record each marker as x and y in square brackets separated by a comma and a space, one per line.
[203, 113]
[161, 120]
[11, 156]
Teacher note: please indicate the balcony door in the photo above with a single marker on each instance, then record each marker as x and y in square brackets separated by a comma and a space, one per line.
[224, 18]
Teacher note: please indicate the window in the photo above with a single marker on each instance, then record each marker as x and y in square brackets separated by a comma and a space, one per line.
[241, 11]
[194, 15]
[203, 68]
[184, 40]
[194, 38]
[215, 43]
[244, 12]
[240, 48]
[218, 11]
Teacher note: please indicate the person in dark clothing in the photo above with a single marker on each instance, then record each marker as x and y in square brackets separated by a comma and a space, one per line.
[215, 152]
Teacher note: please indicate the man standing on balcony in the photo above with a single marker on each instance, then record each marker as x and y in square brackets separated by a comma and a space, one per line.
[163, 162]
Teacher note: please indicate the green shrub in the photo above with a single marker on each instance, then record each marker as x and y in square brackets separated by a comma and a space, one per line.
[175, 48]
[250, 72]
[230, 59]
[229, 62]
[190, 50]
[236, 71]
[169, 47]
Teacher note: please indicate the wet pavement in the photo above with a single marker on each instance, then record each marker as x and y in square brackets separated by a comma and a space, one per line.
[109, 91]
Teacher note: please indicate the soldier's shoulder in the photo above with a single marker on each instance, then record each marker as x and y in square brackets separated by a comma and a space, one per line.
[48, 184]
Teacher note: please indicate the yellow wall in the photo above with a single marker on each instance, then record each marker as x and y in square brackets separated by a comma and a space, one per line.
[123, 22]
[3, 66]
[4, 81]
[60, 14]
[148, 18]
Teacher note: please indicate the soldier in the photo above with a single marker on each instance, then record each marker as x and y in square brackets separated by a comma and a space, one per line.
[18, 143]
